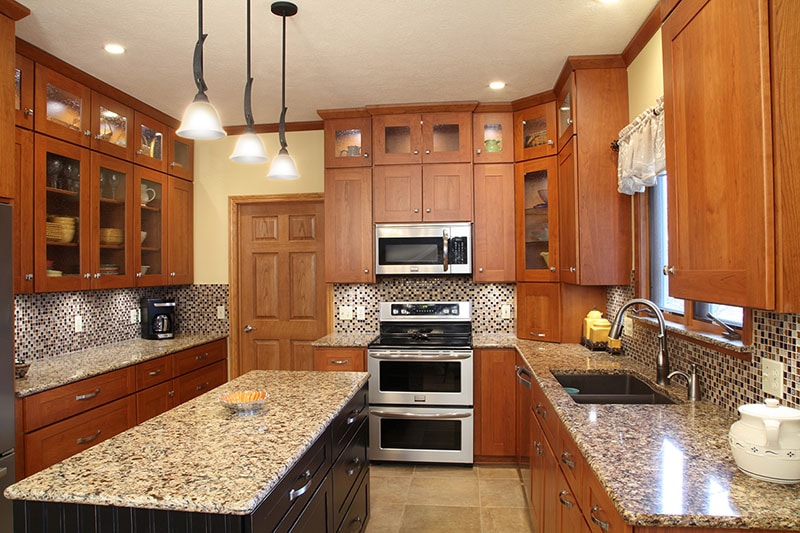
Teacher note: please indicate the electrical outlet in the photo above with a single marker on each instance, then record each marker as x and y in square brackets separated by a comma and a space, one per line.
[78, 323]
[221, 312]
[505, 311]
[134, 316]
[772, 377]
[346, 312]
[627, 326]
[361, 312]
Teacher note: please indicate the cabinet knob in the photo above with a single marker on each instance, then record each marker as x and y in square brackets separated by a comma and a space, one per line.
[416, 152]
[28, 277]
[428, 210]
[28, 112]
[416, 209]
[171, 393]
[138, 274]
[97, 275]
[172, 274]
[139, 152]
[550, 142]
[87, 133]
[569, 122]
[480, 269]
[248, 328]
[573, 269]
[552, 269]
[88, 275]
[478, 151]
[427, 152]
[366, 154]
[366, 271]
[669, 270]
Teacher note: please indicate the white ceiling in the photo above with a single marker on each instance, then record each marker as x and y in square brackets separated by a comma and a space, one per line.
[343, 53]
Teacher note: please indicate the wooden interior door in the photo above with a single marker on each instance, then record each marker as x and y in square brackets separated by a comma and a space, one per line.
[279, 248]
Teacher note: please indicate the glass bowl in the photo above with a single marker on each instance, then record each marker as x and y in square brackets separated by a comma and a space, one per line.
[246, 402]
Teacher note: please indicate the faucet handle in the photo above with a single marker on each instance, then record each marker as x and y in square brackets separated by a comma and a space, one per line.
[692, 383]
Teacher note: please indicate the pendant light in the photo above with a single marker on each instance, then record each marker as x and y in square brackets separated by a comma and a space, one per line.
[249, 148]
[200, 120]
[283, 167]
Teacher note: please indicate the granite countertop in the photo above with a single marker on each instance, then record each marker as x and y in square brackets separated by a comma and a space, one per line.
[200, 457]
[662, 465]
[75, 366]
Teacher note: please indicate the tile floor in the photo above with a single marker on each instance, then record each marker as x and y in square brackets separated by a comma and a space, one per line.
[439, 498]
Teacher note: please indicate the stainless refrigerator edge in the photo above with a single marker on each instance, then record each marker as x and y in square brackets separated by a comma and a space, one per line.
[7, 475]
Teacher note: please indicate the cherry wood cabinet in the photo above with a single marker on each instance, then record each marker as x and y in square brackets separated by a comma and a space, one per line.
[62, 107]
[150, 224]
[430, 193]
[554, 312]
[721, 192]
[22, 204]
[180, 156]
[495, 405]
[535, 132]
[537, 221]
[154, 400]
[493, 136]
[149, 138]
[493, 229]
[595, 219]
[342, 359]
[180, 231]
[23, 92]
[348, 142]
[565, 115]
[349, 231]
[111, 127]
[408, 138]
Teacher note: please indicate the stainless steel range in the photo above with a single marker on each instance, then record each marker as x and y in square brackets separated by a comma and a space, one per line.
[420, 389]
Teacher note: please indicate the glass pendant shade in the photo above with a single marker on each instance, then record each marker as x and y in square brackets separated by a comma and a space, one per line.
[283, 167]
[201, 121]
[249, 149]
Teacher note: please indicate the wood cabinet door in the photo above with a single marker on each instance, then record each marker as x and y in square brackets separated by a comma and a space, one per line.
[551, 512]
[447, 192]
[149, 138]
[23, 94]
[22, 204]
[598, 510]
[397, 139]
[342, 359]
[569, 240]
[570, 513]
[538, 227]
[150, 252]
[112, 127]
[493, 230]
[200, 381]
[447, 137]
[565, 112]
[180, 156]
[719, 167]
[539, 311]
[493, 137]
[154, 400]
[535, 132]
[397, 193]
[180, 231]
[348, 142]
[495, 387]
[61, 107]
[349, 232]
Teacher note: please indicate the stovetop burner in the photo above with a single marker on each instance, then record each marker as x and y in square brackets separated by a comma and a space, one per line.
[424, 325]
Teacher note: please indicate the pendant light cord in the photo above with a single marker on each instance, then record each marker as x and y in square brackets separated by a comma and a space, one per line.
[198, 56]
[248, 108]
[282, 123]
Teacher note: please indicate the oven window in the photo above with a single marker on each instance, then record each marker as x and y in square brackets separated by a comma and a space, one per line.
[412, 376]
[420, 434]
[410, 251]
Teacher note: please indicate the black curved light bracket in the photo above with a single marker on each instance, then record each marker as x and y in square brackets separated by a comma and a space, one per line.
[197, 64]
[283, 10]
[248, 110]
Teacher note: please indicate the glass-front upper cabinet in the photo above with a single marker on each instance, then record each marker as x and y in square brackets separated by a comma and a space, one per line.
[348, 142]
[62, 224]
[151, 254]
[535, 132]
[427, 138]
[149, 137]
[566, 111]
[492, 138]
[536, 194]
[111, 127]
[61, 107]
[180, 154]
[112, 260]
[23, 92]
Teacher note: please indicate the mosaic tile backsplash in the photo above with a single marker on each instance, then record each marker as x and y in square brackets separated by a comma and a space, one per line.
[45, 323]
[726, 381]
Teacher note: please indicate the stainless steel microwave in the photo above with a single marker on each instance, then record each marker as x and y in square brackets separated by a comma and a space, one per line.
[435, 248]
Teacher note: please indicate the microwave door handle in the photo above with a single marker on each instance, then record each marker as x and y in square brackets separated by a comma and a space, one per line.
[445, 250]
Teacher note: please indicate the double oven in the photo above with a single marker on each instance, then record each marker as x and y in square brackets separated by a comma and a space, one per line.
[420, 390]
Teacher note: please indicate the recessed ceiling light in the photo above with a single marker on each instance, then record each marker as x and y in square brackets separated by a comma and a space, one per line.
[113, 48]
[497, 85]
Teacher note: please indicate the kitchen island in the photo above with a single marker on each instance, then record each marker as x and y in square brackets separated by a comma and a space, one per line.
[201, 467]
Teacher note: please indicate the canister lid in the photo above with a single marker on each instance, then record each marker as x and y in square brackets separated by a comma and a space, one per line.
[770, 409]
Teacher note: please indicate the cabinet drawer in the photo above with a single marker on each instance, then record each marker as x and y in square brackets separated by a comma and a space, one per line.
[598, 510]
[347, 470]
[63, 402]
[200, 381]
[154, 401]
[344, 359]
[153, 372]
[570, 460]
[544, 412]
[349, 419]
[358, 512]
[199, 356]
[56, 442]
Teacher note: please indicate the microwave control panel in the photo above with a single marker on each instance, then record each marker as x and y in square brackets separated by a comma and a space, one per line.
[457, 254]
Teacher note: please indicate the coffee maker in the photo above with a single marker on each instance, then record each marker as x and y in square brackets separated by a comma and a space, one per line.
[158, 318]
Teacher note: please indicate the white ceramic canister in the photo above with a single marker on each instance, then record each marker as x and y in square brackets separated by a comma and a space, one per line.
[765, 442]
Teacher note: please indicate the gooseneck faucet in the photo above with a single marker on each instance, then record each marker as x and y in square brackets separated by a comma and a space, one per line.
[662, 361]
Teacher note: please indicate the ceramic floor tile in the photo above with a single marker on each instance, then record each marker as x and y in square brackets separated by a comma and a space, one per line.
[498, 472]
[505, 520]
[384, 517]
[440, 519]
[390, 469]
[449, 471]
[501, 493]
[444, 491]
[387, 490]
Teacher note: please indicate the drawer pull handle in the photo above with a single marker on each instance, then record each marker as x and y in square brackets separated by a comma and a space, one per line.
[534, 334]
[565, 459]
[155, 372]
[356, 524]
[603, 525]
[353, 416]
[538, 446]
[88, 395]
[201, 386]
[90, 438]
[566, 503]
[340, 361]
[201, 356]
[356, 467]
[296, 493]
[540, 411]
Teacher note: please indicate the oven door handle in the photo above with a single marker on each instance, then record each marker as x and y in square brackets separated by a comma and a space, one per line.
[445, 250]
[425, 357]
[421, 416]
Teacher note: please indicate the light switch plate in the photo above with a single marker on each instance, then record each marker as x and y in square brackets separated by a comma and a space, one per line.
[346, 312]
[78, 323]
[505, 312]
[627, 326]
[134, 316]
[772, 377]
[361, 312]
[221, 312]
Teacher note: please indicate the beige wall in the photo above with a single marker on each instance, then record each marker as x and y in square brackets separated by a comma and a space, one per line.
[216, 178]
[645, 77]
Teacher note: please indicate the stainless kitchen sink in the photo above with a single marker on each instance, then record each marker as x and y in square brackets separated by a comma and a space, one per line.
[610, 388]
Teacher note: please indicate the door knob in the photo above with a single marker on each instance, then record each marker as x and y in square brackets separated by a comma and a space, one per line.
[248, 328]
[669, 270]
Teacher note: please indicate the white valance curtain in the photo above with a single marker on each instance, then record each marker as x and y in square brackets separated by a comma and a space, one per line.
[641, 151]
